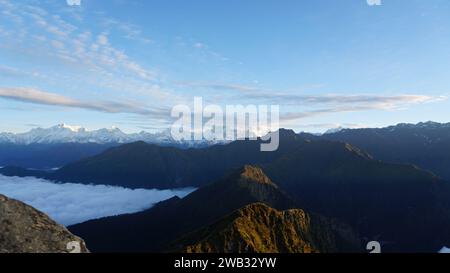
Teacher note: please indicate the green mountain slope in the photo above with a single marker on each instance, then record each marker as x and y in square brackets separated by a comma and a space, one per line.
[257, 228]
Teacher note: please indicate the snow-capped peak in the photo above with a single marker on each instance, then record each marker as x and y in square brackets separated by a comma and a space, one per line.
[72, 128]
[64, 133]
[421, 125]
[334, 130]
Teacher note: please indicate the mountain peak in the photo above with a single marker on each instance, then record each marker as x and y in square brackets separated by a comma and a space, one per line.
[288, 231]
[334, 130]
[420, 125]
[287, 132]
[254, 174]
[73, 128]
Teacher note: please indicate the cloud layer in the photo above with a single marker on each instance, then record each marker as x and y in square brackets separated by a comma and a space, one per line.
[69, 204]
[46, 98]
[307, 106]
[445, 250]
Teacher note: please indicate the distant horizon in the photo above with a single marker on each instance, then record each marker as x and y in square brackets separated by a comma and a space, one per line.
[162, 130]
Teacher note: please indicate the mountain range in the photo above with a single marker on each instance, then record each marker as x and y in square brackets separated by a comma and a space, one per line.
[63, 133]
[404, 206]
[49, 148]
[425, 144]
[216, 205]
[361, 192]
[48, 156]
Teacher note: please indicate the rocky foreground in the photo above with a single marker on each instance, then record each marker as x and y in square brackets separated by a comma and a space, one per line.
[24, 229]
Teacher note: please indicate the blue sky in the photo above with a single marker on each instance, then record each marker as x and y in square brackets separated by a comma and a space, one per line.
[125, 63]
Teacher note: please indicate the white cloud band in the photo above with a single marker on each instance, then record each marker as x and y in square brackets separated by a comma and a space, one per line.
[75, 203]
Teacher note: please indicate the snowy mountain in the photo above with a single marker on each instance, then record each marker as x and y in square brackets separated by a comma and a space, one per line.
[334, 130]
[429, 125]
[64, 133]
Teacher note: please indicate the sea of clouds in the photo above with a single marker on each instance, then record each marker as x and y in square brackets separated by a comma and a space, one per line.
[70, 204]
[445, 250]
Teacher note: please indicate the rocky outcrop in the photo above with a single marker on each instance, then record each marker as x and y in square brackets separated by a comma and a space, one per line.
[258, 228]
[24, 229]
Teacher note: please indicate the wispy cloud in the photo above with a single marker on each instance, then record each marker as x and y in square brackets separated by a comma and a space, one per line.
[12, 72]
[200, 45]
[127, 30]
[356, 101]
[333, 125]
[33, 125]
[386, 103]
[56, 39]
[273, 96]
[6, 71]
[220, 86]
[51, 99]
[314, 105]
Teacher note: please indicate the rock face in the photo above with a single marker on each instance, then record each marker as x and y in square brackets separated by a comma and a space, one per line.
[258, 228]
[24, 229]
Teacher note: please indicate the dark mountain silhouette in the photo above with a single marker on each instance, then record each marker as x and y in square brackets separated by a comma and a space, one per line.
[23, 229]
[258, 228]
[399, 204]
[151, 166]
[142, 165]
[22, 172]
[390, 202]
[48, 156]
[426, 145]
[154, 229]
